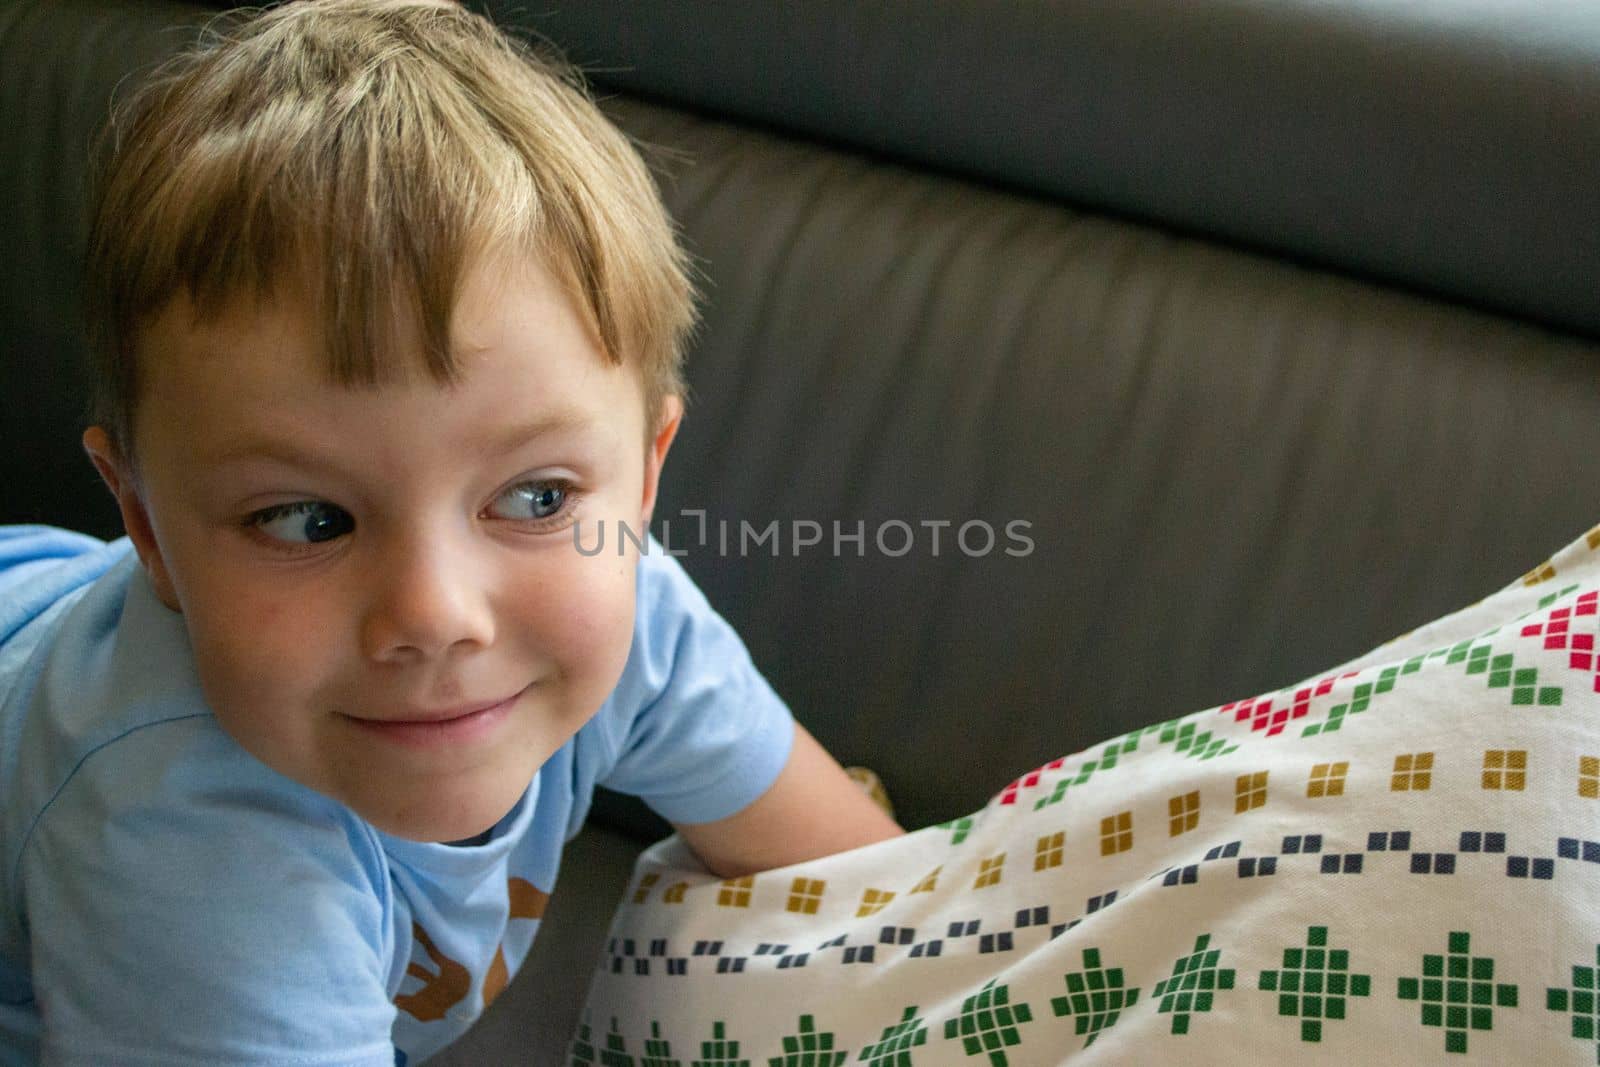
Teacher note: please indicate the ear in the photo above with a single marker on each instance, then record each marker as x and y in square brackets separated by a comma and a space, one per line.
[656, 456]
[118, 475]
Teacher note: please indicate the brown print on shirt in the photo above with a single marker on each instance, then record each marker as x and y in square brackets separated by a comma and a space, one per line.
[440, 992]
[527, 902]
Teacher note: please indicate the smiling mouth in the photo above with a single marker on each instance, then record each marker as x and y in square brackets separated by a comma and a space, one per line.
[443, 726]
[442, 715]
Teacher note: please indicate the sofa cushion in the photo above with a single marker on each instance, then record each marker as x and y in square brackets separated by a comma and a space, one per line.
[1236, 470]
[1440, 146]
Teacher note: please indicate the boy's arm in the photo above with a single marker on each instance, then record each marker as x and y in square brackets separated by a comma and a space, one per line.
[813, 809]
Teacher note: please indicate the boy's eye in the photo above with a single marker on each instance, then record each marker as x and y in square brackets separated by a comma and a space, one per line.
[303, 522]
[531, 500]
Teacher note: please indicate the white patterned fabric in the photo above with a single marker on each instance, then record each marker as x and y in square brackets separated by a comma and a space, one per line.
[1395, 861]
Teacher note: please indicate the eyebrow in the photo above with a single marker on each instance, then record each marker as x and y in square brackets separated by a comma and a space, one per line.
[286, 451]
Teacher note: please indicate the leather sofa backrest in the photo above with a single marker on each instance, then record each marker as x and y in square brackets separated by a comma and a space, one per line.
[1236, 470]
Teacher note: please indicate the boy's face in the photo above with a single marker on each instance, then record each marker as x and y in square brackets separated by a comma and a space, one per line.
[362, 570]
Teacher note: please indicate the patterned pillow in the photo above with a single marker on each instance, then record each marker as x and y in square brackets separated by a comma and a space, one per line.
[1397, 859]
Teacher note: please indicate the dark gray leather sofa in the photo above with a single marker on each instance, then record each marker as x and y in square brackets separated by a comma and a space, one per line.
[1276, 321]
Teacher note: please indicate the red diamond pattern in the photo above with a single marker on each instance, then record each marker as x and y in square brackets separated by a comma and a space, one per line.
[1009, 794]
[1558, 638]
[1263, 716]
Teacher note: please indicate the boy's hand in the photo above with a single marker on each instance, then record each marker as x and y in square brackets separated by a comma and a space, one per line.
[813, 809]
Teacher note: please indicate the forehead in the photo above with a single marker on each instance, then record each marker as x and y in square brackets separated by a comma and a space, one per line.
[496, 292]
[519, 347]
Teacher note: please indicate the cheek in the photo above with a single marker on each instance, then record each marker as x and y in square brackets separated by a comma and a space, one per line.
[255, 650]
[581, 619]
[254, 633]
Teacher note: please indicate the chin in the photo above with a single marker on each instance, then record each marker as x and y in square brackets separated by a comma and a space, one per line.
[446, 819]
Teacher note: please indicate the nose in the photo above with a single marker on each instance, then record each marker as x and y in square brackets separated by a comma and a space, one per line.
[430, 598]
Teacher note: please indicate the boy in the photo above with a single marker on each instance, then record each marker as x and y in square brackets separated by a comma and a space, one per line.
[386, 313]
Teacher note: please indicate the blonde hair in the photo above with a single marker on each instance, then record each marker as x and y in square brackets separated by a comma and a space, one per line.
[368, 150]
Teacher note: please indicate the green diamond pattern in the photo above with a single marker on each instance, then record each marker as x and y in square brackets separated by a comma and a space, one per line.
[1361, 697]
[893, 1049]
[808, 1048]
[1109, 757]
[582, 1052]
[1117, 749]
[1182, 735]
[658, 1050]
[1314, 983]
[1056, 795]
[1329, 725]
[1458, 991]
[1188, 738]
[1502, 673]
[959, 829]
[719, 1051]
[1582, 1000]
[1096, 996]
[615, 1054]
[1192, 986]
[1085, 772]
[1545, 602]
[989, 1023]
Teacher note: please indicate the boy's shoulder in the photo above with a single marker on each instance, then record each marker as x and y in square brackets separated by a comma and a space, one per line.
[87, 655]
[672, 620]
[664, 587]
[100, 703]
[40, 566]
[61, 617]
[135, 834]
[692, 727]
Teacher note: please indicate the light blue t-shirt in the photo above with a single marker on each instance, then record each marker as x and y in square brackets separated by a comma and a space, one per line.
[172, 901]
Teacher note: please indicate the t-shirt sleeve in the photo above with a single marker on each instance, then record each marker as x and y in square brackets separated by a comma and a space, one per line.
[696, 731]
[40, 564]
[245, 925]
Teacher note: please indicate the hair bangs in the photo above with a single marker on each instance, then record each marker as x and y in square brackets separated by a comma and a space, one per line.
[357, 158]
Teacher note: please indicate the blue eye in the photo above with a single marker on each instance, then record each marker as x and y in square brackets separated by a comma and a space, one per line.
[309, 522]
[532, 500]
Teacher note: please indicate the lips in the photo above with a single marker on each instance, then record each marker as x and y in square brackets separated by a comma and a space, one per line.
[441, 714]
[431, 728]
